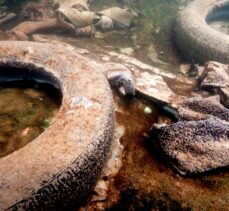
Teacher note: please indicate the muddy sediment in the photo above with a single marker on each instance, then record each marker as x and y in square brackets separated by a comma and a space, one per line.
[146, 181]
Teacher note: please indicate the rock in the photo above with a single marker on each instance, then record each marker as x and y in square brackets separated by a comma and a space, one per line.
[105, 23]
[78, 18]
[122, 17]
[199, 108]
[199, 142]
[127, 51]
[214, 78]
[87, 31]
[100, 189]
[184, 68]
[153, 55]
[111, 168]
[153, 86]
[114, 163]
[194, 146]
[147, 110]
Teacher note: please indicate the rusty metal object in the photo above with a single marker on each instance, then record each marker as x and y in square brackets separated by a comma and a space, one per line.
[63, 163]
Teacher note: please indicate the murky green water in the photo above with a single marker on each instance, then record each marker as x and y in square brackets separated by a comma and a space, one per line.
[26, 110]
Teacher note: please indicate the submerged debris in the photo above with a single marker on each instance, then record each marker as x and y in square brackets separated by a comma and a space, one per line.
[195, 146]
[122, 18]
[199, 142]
[70, 15]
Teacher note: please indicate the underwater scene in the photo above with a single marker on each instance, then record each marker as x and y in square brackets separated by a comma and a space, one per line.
[114, 105]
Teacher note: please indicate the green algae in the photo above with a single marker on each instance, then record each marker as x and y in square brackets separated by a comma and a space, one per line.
[24, 114]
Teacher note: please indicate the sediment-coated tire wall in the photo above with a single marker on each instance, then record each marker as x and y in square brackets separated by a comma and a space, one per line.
[195, 39]
[61, 166]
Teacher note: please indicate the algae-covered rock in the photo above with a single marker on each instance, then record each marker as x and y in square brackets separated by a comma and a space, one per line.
[198, 108]
[199, 142]
[195, 146]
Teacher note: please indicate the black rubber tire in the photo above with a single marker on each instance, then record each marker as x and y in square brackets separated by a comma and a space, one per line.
[195, 39]
[61, 166]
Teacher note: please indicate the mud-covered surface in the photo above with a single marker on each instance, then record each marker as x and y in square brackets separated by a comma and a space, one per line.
[147, 181]
[26, 110]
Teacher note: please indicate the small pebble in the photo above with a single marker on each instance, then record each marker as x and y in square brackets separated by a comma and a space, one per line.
[147, 110]
[127, 51]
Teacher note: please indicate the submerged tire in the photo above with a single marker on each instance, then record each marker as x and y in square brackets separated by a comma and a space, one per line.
[60, 167]
[195, 39]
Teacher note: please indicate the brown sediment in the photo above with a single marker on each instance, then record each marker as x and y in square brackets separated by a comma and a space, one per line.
[146, 182]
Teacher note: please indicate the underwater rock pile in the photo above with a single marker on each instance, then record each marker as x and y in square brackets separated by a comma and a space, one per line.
[199, 141]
